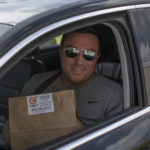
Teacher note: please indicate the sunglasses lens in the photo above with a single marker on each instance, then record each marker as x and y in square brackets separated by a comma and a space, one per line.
[71, 52]
[89, 55]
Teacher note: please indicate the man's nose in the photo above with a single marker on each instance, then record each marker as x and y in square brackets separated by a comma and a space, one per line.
[79, 59]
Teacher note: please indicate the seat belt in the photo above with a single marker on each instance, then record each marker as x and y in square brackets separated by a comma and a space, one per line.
[46, 83]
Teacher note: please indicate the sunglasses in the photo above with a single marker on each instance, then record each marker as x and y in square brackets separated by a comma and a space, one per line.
[72, 52]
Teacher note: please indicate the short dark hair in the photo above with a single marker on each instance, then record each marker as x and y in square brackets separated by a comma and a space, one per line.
[89, 30]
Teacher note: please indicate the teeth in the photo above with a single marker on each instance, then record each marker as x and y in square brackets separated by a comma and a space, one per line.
[77, 68]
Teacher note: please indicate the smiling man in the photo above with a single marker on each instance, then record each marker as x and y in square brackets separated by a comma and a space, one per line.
[97, 97]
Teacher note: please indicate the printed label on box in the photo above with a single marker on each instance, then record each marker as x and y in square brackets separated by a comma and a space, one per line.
[38, 104]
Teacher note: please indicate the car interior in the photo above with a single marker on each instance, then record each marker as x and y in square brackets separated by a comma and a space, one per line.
[46, 58]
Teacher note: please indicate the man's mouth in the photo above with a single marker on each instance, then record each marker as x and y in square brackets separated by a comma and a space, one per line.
[77, 70]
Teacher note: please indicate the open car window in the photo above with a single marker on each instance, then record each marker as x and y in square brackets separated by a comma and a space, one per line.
[44, 57]
[52, 43]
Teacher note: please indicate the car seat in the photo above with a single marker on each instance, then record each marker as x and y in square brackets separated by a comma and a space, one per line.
[12, 83]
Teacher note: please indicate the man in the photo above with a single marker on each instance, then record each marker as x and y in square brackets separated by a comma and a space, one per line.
[97, 97]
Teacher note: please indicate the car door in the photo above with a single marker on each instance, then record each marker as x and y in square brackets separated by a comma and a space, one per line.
[121, 129]
[125, 133]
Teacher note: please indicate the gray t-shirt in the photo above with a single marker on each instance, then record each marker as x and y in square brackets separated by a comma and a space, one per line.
[96, 100]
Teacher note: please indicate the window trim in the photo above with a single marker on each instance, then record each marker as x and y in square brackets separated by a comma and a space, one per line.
[124, 69]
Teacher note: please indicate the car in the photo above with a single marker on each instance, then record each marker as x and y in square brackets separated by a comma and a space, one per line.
[30, 35]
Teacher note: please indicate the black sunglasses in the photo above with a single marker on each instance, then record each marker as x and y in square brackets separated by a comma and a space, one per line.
[72, 52]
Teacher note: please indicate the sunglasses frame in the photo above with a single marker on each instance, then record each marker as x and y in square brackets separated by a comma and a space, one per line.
[74, 52]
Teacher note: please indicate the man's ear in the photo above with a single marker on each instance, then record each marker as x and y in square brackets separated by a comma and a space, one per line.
[99, 55]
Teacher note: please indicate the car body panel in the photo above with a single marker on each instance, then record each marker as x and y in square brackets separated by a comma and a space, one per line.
[4, 28]
[122, 134]
[124, 138]
[141, 36]
[141, 1]
[19, 9]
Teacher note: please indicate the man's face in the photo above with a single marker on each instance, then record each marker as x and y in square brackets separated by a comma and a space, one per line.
[77, 71]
